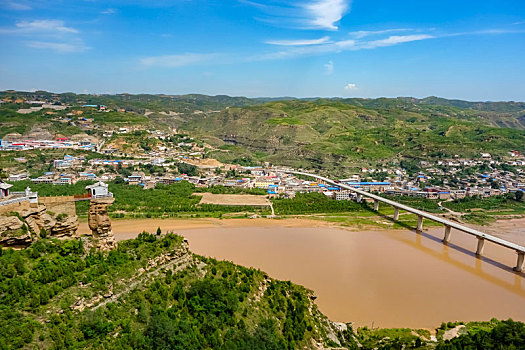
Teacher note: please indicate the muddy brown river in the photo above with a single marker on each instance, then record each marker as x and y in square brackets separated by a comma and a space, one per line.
[384, 278]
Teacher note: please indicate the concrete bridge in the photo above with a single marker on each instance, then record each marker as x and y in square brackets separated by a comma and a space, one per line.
[449, 225]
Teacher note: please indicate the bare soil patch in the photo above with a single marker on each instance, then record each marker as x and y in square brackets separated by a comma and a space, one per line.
[233, 199]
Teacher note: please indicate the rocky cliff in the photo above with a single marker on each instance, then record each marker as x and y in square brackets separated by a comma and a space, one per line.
[23, 229]
[100, 224]
[13, 233]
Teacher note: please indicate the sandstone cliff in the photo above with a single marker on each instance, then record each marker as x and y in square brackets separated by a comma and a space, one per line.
[100, 224]
[13, 232]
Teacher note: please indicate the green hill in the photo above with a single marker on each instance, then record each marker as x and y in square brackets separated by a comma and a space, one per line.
[327, 133]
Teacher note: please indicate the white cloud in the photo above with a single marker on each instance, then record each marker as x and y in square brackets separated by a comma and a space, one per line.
[173, 61]
[51, 34]
[305, 42]
[365, 33]
[60, 47]
[350, 86]
[324, 14]
[344, 44]
[46, 25]
[17, 5]
[329, 67]
[396, 39]
[109, 11]
[311, 14]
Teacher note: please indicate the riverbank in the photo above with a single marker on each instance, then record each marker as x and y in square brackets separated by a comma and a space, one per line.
[510, 229]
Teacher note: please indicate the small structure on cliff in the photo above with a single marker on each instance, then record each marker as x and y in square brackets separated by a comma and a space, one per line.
[4, 189]
[99, 190]
[98, 217]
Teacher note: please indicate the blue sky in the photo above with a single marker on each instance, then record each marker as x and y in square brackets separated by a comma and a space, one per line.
[362, 48]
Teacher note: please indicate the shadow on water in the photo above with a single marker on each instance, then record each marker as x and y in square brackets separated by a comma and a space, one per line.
[515, 287]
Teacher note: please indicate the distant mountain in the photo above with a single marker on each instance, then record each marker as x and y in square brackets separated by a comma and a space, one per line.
[502, 107]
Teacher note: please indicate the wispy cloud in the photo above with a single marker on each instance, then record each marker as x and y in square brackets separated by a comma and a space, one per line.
[109, 11]
[40, 27]
[16, 5]
[325, 14]
[329, 67]
[350, 86]
[306, 42]
[46, 25]
[313, 14]
[58, 46]
[186, 59]
[395, 39]
[300, 48]
[51, 34]
[340, 46]
[366, 33]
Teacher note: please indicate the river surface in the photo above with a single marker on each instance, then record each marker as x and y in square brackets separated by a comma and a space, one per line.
[380, 278]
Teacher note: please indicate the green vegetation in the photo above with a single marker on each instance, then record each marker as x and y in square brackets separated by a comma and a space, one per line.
[397, 338]
[425, 204]
[308, 203]
[488, 335]
[500, 203]
[47, 190]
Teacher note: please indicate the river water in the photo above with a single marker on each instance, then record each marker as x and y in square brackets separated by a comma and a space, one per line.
[380, 278]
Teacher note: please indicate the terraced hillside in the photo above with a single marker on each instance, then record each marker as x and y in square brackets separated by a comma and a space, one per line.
[326, 133]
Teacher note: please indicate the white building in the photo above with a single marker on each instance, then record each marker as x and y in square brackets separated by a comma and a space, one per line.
[99, 190]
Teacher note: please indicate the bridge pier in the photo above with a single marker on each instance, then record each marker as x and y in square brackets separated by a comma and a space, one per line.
[419, 228]
[446, 239]
[358, 198]
[376, 205]
[481, 245]
[519, 263]
[396, 214]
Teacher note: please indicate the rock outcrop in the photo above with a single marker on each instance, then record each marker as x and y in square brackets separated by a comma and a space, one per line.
[38, 218]
[65, 227]
[57, 226]
[12, 232]
[100, 224]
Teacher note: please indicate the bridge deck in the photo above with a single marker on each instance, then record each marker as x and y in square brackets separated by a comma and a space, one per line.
[455, 225]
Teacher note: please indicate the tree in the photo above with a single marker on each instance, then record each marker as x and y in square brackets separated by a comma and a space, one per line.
[119, 180]
[519, 195]
[159, 231]
[43, 232]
